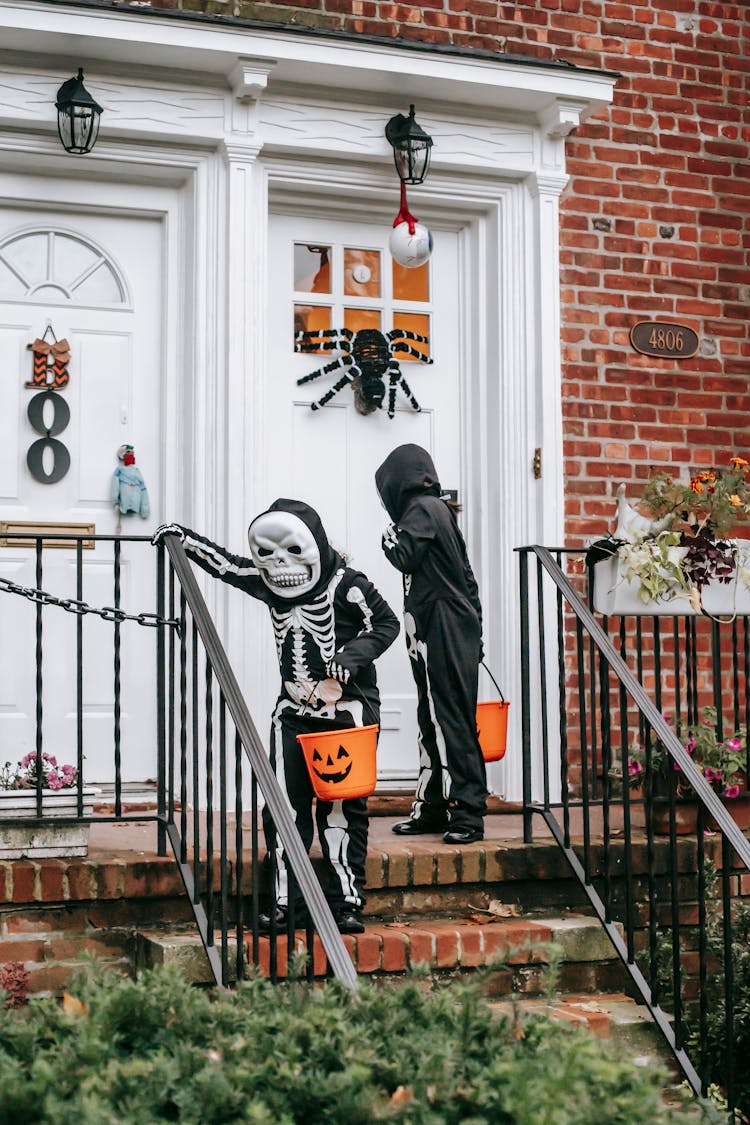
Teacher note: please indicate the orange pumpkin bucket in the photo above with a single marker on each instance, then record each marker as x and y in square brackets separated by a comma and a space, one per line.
[492, 724]
[341, 763]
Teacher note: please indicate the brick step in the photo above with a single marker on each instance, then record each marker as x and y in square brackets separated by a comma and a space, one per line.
[587, 960]
[612, 1016]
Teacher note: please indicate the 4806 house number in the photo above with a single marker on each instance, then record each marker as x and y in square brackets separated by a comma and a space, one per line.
[659, 338]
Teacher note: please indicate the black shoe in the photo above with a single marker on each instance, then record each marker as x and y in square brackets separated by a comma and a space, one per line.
[279, 916]
[349, 920]
[463, 835]
[419, 826]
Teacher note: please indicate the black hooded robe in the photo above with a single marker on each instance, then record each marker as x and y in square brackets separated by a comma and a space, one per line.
[443, 625]
[343, 618]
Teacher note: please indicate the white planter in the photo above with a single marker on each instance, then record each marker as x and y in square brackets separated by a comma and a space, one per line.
[48, 840]
[616, 596]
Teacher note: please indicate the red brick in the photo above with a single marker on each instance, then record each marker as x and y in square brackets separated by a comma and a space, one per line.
[16, 950]
[368, 951]
[421, 946]
[394, 951]
[24, 881]
[447, 946]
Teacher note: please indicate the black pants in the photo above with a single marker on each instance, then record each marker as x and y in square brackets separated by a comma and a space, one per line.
[444, 647]
[342, 825]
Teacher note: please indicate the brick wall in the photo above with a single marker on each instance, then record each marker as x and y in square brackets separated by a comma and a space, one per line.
[655, 220]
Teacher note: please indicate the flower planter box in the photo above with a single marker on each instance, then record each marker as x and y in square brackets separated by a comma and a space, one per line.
[686, 815]
[617, 596]
[44, 840]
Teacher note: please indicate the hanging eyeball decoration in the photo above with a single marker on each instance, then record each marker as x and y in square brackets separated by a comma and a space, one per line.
[410, 242]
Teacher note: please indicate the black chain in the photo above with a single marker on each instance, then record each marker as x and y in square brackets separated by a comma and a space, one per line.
[72, 605]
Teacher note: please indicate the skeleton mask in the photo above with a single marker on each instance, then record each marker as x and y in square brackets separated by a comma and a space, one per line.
[285, 552]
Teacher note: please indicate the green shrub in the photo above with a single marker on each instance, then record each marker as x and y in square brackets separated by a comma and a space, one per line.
[153, 1050]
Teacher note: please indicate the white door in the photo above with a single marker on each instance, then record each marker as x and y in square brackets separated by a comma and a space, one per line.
[93, 280]
[329, 274]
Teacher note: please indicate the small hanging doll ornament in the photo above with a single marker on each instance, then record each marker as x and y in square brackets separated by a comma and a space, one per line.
[410, 241]
[128, 492]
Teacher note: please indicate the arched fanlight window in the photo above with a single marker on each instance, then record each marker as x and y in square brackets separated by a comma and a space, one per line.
[58, 267]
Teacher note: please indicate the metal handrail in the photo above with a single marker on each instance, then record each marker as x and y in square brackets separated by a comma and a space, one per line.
[294, 851]
[604, 659]
[642, 700]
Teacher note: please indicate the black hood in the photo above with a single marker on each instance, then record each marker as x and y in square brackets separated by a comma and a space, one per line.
[330, 560]
[406, 471]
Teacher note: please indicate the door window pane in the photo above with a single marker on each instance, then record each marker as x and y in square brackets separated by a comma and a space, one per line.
[357, 319]
[417, 323]
[28, 255]
[310, 318]
[312, 268]
[361, 272]
[411, 285]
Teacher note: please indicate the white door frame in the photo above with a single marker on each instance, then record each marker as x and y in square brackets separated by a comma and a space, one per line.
[501, 421]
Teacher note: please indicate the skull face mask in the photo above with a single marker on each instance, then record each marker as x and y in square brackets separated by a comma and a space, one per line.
[285, 552]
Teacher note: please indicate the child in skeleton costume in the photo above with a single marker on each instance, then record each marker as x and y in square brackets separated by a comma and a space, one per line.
[330, 623]
[443, 623]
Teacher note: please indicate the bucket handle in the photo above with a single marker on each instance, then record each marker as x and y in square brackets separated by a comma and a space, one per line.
[497, 686]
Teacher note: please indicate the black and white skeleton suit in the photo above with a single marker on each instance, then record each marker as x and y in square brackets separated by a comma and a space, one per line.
[330, 623]
[443, 625]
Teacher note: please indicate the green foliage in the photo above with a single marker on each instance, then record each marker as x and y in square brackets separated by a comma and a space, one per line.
[155, 1050]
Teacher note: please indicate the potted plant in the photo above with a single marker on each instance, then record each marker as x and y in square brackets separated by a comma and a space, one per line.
[722, 763]
[18, 801]
[678, 559]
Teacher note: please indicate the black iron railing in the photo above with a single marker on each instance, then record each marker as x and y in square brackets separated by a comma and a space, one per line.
[217, 762]
[51, 661]
[668, 902]
[212, 772]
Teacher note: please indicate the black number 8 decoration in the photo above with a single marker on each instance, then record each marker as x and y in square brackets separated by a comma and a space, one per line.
[60, 419]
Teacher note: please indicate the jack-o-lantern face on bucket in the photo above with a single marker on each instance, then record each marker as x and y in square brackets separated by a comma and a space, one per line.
[335, 768]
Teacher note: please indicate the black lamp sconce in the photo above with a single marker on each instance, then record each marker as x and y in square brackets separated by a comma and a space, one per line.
[411, 147]
[77, 116]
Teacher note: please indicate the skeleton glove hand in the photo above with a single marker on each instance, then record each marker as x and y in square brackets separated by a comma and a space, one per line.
[167, 529]
[338, 672]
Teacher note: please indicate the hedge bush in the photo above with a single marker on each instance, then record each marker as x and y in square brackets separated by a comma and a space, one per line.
[124, 1052]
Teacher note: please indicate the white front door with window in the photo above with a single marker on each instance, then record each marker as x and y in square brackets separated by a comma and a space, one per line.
[329, 275]
[93, 280]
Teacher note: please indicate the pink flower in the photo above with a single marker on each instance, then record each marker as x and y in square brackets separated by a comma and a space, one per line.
[690, 745]
[28, 759]
[634, 766]
[734, 744]
[732, 791]
[54, 782]
[711, 774]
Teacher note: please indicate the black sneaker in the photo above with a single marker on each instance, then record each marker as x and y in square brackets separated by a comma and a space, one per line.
[420, 826]
[279, 918]
[349, 920]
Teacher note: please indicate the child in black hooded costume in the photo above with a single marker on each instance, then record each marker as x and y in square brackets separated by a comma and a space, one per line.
[330, 623]
[443, 624]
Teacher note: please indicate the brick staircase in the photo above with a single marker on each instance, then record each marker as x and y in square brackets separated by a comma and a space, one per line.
[453, 909]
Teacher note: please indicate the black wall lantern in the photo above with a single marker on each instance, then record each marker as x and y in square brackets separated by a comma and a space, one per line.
[411, 147]
[77, 116]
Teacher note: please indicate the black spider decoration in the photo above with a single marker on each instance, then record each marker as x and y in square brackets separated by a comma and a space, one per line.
[368, 357]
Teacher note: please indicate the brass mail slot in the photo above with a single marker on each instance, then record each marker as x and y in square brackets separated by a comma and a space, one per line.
[31, 528]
